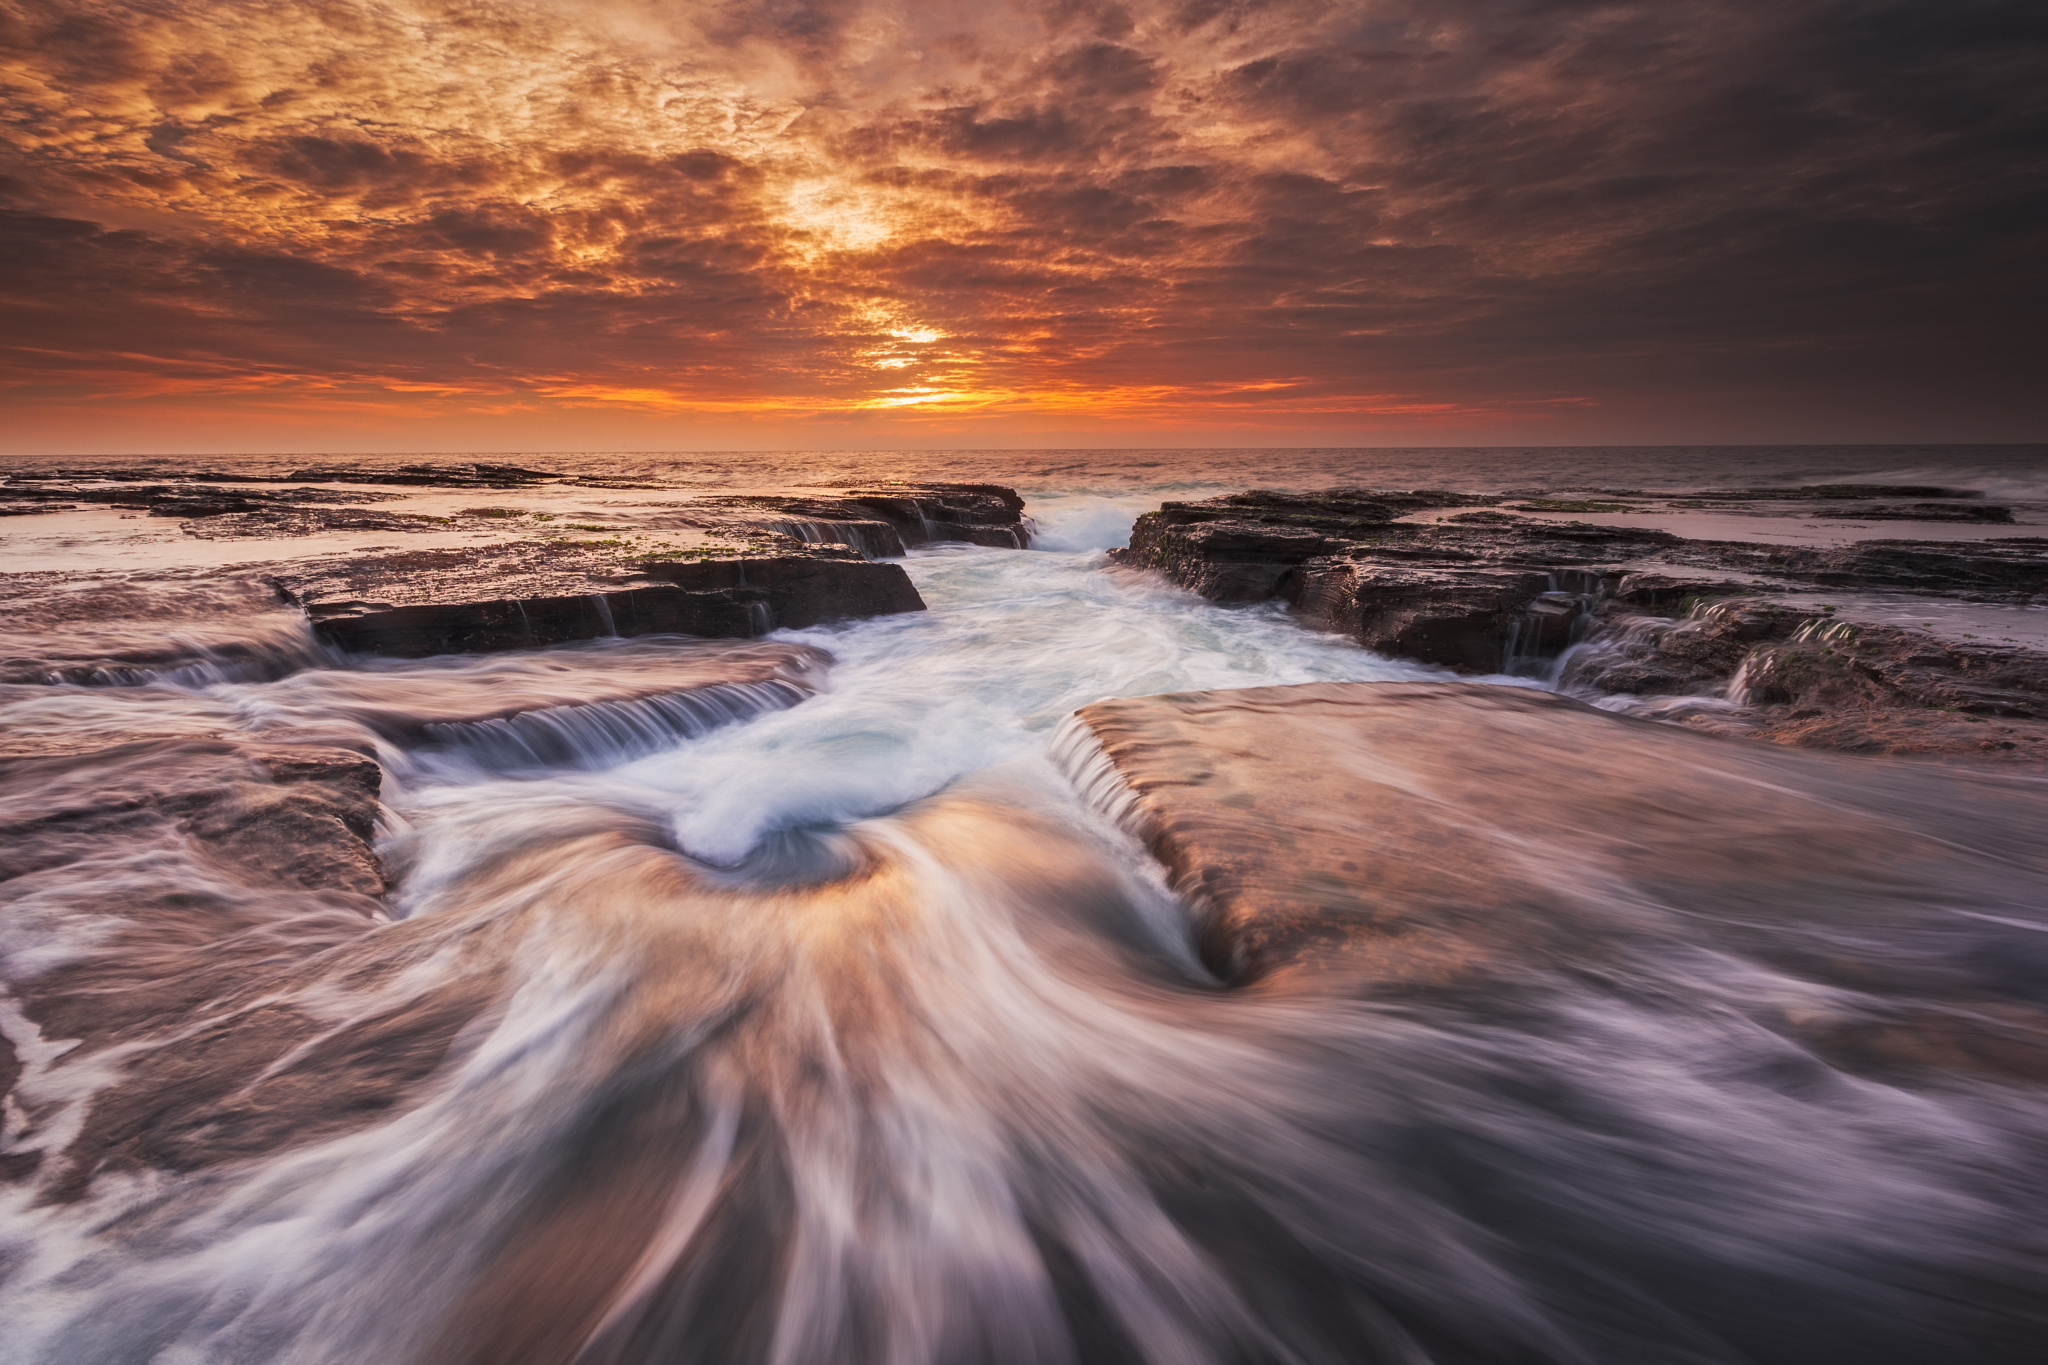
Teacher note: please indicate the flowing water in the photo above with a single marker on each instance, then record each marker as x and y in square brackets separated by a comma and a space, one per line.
[821, 1018]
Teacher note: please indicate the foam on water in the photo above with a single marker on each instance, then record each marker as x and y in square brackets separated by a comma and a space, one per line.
[851, 1031]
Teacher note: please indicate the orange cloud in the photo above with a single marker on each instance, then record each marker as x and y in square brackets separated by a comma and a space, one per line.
[1278, 212]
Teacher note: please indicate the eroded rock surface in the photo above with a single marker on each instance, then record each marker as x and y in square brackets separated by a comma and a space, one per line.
[194, 916]
[525, 594]
[1641, 611]
[1404, 837]
[884, 519]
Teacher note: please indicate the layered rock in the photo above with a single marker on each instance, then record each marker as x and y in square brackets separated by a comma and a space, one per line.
[216, 872]
[195, 915]
[1396, 838]
[187, 498]
[1643, 612]
[264, 811]
[54, 629]
[1453, 593]
[527, 594]
[882, 520]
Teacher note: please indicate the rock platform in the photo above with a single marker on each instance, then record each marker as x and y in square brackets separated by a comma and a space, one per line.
[1644, 612]
[521, 596]
[1390, 839]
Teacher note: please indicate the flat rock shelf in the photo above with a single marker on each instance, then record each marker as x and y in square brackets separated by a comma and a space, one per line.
[1387, 839]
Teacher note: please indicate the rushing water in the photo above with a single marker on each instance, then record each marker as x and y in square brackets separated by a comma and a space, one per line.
[825, 1021]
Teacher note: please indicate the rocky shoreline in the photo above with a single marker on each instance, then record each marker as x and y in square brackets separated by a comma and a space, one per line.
[258, 848]
[255, 850]
[1741, 637]
[516, 576]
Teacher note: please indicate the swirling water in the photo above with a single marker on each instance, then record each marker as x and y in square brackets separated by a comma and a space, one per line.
[845, 1029]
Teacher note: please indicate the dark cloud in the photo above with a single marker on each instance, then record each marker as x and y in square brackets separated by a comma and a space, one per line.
[1468, 201]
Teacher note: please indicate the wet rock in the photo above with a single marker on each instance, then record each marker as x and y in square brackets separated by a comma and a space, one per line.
[253, 522]
[1921, 511]
[266, 812]
[214, 872]
[526, 594]
[880, 521]
[1767, 653]
[56, 628]
[1441, 613]
[980, 513]
[1905, 733]
[2010, 569]
[186, 498]
[199, 506]
[1457, 593]
[1642, 612]
[463, 475]
[13, 1165]
[1833, 492]
[1394, 839]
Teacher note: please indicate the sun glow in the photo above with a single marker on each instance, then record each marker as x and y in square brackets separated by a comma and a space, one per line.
[836, 217]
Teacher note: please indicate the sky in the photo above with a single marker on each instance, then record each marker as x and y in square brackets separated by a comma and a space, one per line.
[632, 224]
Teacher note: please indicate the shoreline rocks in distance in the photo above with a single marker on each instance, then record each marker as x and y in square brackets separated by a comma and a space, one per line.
[720, 566]
[1640, 611]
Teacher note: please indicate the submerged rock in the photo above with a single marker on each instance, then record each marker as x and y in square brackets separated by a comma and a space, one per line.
[267, 812]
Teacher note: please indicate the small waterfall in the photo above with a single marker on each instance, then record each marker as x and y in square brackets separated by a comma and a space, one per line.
[760, 619]
[525, 624]
[1078, 754]
[869, 539]
[1544, 629]
[1821, 630]
[604, 614]
[1741, 690]
[248, 661]
[599, 734]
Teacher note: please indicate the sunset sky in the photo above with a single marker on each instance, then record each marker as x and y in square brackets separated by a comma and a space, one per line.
[335, 225]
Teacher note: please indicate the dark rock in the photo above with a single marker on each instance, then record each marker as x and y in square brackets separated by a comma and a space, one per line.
[13, 1165]
[199, 507]
[1833, 491]
[1650, 614]
[2011, 569]
[981, 513]
[879, 522]
[527, 594]
[1921, 511]
[1440, 613]
[1462, 594]
[186, 498]
[466, 475]
[1768, 654]
[253, 522]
